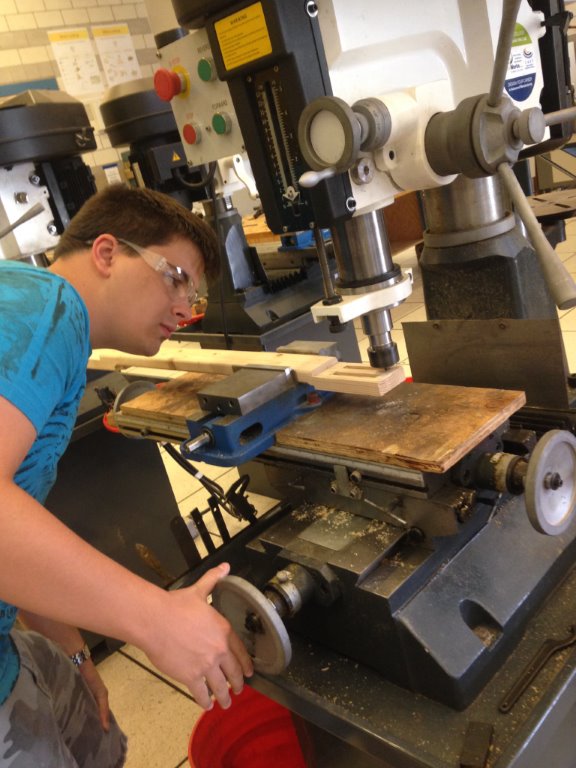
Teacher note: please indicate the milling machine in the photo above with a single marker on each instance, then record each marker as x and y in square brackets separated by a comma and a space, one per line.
[416, 575]
[262, 297]
[43, 179]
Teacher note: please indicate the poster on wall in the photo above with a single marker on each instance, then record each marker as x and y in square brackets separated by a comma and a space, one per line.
[116, 50]
[76, 61]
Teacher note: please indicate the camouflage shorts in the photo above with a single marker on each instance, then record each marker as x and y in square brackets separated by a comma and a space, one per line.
[50, 720]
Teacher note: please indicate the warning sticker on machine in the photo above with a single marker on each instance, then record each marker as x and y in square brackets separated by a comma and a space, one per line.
[521, 75]
[243, 37]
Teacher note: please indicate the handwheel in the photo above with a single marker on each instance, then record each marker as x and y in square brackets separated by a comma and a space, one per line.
[255, 621]
[550, 485]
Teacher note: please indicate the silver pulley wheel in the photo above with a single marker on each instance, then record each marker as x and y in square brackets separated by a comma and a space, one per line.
[550, 485]
[255, 621]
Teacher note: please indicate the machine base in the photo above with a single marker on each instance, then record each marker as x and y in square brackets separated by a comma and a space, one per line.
[438, 619]
[352, 715]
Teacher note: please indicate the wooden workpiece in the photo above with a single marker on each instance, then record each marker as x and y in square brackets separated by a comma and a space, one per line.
[320, 371]
[166, 408]
[173, 402]
[426, 427]
[257, 232]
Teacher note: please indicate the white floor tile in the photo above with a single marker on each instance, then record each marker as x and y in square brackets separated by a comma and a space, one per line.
[570, 263]
[407, 307]
[568, 323]
[406, 258]
[157, 719]
[183, 483]
[199, 495]
[567, 246]
[417, 295]
[398, 337]
[417, 314]
[140, 658]
[570, 347]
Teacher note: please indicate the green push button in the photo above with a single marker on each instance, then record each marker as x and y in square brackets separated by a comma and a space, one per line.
[206, 70]
[221, 123]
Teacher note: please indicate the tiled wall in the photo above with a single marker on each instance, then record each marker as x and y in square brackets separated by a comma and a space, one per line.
[26, 54]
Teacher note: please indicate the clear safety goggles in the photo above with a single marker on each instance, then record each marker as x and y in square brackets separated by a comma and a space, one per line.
[178, 281]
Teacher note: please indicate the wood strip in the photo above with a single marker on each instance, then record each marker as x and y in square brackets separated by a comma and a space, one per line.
[185, 358]
[157, 429]
[320, 371]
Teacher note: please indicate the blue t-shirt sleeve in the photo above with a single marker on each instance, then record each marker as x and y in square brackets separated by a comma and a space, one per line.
[43, 342]
[44, 349]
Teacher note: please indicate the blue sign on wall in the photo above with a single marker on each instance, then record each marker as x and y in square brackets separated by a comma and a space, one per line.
[49, 84]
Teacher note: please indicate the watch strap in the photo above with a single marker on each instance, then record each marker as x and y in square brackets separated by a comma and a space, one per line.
[80, 656]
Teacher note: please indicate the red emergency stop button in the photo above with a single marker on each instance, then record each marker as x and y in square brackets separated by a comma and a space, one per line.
[168, 84]
[191, 133]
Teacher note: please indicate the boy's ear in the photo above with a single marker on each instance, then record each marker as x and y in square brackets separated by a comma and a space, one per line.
[104, 250]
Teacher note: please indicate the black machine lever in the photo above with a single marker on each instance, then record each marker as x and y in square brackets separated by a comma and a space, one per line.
[548, 649]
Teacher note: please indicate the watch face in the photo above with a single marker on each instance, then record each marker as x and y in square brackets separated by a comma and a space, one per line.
[81, 656]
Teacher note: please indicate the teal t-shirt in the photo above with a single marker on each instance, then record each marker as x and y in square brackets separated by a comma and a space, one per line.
[44, 349]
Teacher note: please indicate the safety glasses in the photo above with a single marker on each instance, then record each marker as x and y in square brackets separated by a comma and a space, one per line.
[178, 281]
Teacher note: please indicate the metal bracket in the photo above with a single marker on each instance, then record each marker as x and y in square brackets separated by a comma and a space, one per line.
[346, 484]
[353, 306]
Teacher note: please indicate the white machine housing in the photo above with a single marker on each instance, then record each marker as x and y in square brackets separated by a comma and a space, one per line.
[423, 61]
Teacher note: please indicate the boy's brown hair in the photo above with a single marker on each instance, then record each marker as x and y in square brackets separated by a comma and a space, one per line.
[142, 216]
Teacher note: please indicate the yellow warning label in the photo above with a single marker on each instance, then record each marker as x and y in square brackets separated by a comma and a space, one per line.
[67, 36]
[176, 157]
[111, 30]
[243, 37]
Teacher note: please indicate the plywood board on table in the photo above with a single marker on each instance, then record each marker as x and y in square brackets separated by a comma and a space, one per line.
[426, 427]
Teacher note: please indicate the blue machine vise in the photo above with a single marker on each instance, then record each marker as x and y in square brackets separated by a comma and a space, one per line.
[243, 413]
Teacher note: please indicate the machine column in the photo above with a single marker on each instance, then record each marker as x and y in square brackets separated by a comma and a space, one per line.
[466, 205]
[476, 262]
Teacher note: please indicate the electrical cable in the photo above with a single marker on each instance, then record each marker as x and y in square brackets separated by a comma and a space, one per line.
[237, 488]
[204, 181]
[209, 485]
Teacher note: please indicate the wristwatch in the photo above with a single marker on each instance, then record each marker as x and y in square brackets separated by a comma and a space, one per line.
[80, 656]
